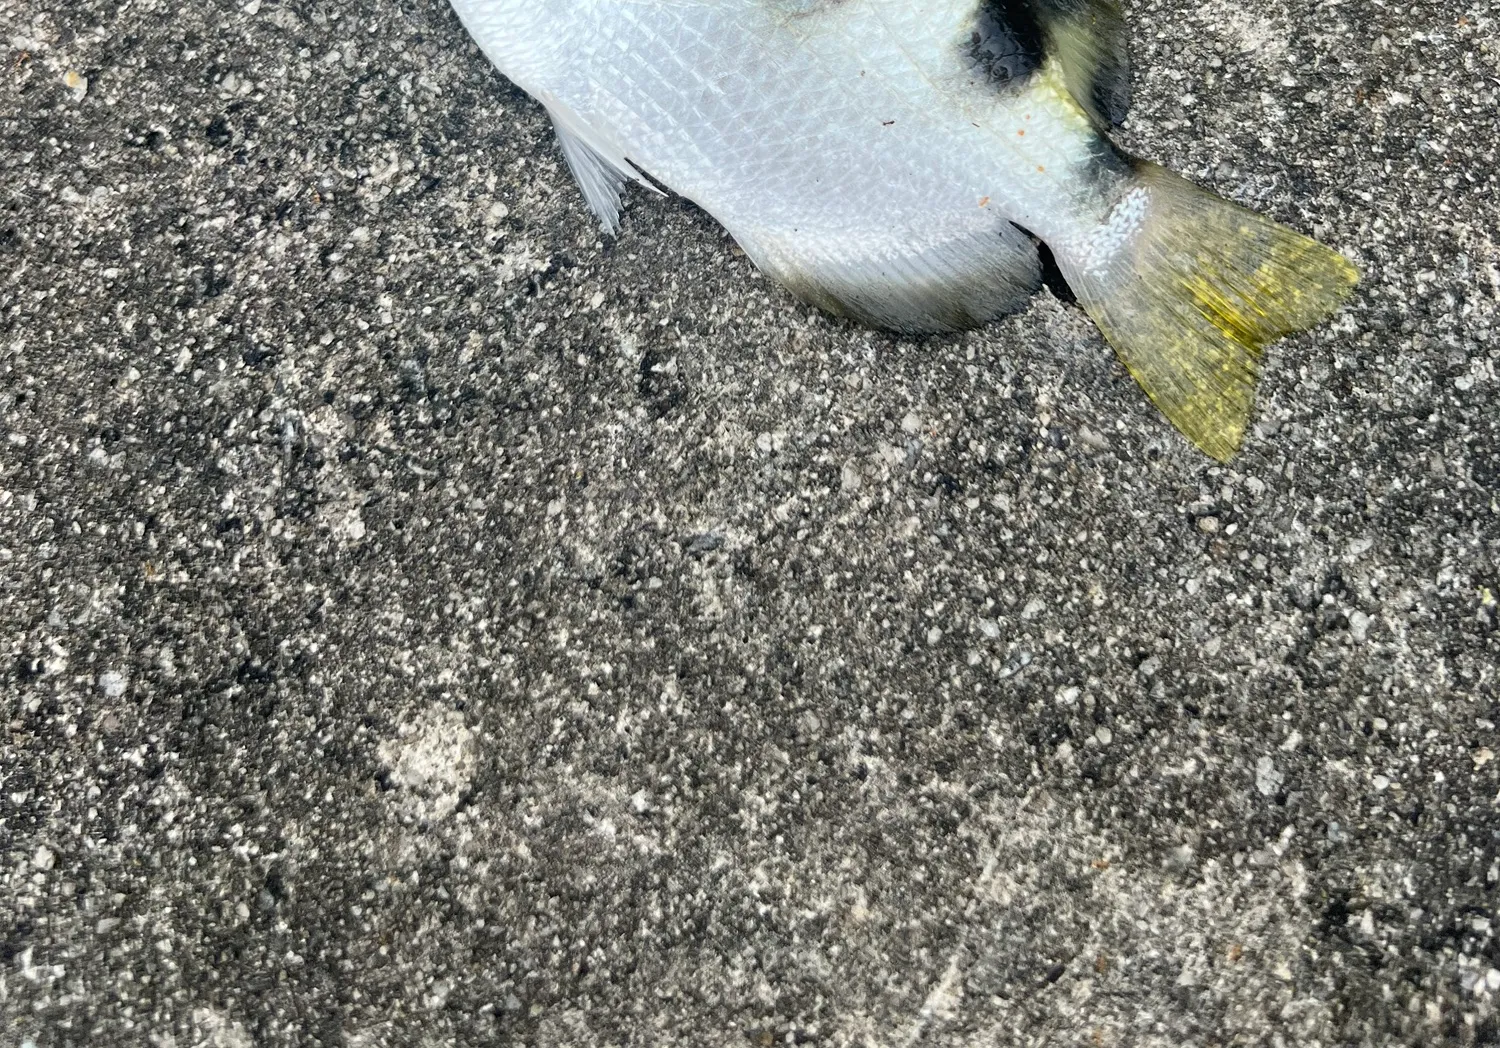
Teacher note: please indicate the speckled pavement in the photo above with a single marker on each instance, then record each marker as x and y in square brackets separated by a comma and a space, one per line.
[424, 622]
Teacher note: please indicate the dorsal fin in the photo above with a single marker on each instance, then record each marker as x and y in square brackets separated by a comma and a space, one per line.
[1090, 43]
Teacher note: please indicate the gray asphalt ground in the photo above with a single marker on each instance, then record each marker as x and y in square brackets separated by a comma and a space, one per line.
[425, 622]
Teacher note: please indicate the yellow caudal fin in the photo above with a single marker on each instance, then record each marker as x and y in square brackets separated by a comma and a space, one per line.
[1189, 288]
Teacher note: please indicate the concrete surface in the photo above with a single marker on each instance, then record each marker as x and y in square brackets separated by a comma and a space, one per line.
[424, 623]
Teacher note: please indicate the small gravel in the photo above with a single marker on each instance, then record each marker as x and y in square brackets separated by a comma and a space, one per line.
[425, 621]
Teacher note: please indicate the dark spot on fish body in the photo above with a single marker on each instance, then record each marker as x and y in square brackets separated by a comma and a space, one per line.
[1006, 44]
[1108, 167]
[1102, 177]
[1009, 40]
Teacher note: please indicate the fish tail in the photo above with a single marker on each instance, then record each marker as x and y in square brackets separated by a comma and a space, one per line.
[1189, 288]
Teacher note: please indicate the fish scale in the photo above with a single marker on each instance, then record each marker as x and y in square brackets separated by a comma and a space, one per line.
[771, 161]
[895, 161]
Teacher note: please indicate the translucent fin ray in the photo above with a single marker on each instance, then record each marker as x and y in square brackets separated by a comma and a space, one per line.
[599, 180]
[905, 279]
[1201, 287]
[601, 172]
[1090, 42]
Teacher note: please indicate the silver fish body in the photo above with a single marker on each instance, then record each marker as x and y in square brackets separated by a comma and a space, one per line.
[897, 160]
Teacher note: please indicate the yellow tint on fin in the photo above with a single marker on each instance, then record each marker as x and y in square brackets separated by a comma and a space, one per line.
[1090, 43]
[1197, 292]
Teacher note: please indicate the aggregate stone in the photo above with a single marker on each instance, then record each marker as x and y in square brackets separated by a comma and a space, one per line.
[426, 621]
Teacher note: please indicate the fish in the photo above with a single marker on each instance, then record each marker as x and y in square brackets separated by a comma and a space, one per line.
[903, 163]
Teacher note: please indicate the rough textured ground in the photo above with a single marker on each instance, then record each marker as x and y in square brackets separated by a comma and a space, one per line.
[424, 623]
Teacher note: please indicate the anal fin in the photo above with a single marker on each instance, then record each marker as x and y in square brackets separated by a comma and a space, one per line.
[902, 279]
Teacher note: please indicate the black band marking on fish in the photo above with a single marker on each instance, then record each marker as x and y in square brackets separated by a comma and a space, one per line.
[1010, 39]
[1108, 169]
[1006, 44]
